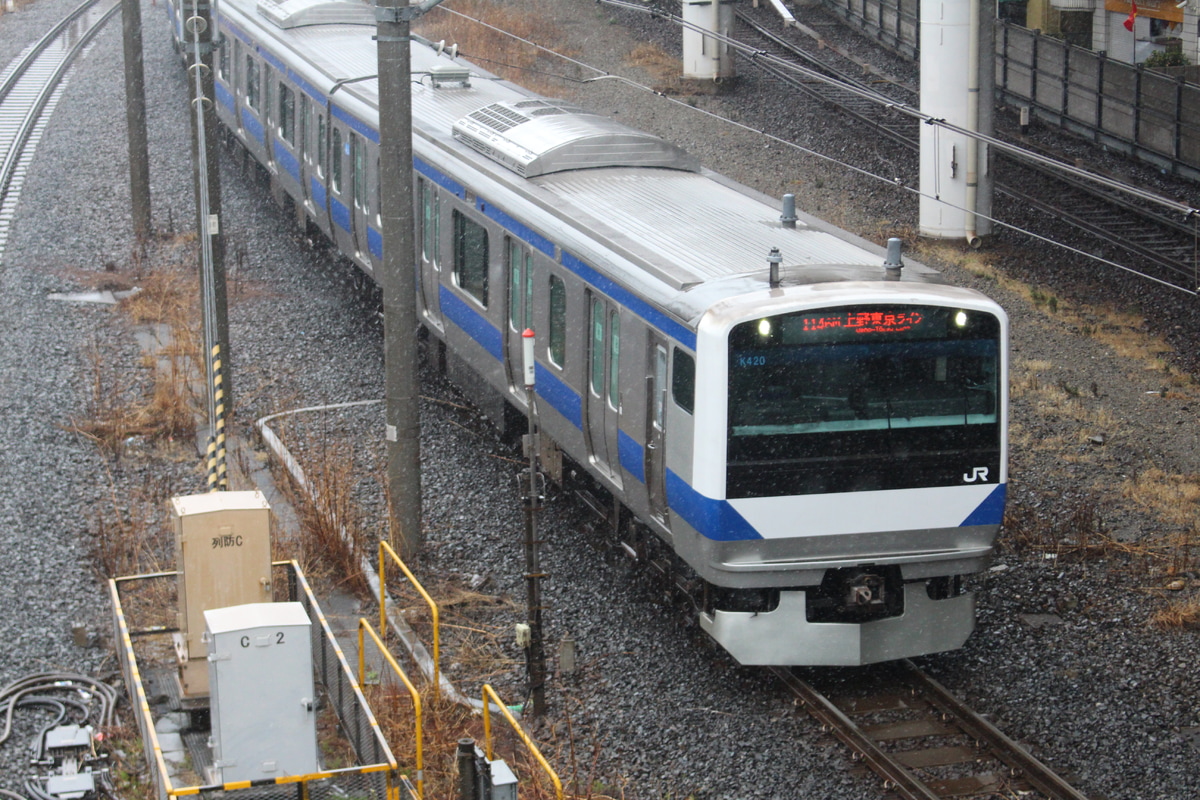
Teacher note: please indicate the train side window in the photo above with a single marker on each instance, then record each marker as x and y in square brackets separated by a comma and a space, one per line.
[268, 106]
[597, 348]
[223, 60]
[660, 387]
[520, 286]
[471, 257]
[287, 114]
[431, 224]
[322, 135]
[683, 381]
[558, 321]
[237, 60]
[251, 82]
[614, 348]
[335, 168]
[302, 134]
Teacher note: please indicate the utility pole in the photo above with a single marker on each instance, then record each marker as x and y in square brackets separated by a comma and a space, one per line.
[198, 32]
[402, 422]
[135, 121]
[398, 279]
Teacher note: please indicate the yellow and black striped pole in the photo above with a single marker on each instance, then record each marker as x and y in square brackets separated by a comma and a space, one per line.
[218, 476]
[198, 29]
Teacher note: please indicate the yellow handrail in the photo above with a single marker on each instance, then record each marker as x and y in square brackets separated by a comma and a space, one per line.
[384, 547]
[363, 625]
[143, 705]
[516, 726]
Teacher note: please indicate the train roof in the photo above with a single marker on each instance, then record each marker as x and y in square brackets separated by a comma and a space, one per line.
[595, 186]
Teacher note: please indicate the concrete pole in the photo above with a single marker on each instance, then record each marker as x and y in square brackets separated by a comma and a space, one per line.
[944, 95]
[398, 276]
[135, 120]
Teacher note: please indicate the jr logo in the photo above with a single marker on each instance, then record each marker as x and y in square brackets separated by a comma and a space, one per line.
[977, 474]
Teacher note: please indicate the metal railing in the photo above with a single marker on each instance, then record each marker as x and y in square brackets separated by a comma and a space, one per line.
[490, 697]
[386, 550]
[373, 778]
[365, 627]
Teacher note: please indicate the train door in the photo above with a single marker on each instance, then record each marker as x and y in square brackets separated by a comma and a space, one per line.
[321, 168]
[520, 308]
[268, 116]
[238, 71]
[361, 195]
[304, 150]
[339, 195]
[656, 404]
[603, 405]
[429, 218]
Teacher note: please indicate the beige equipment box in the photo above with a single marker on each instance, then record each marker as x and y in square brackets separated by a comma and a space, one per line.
[223, 555]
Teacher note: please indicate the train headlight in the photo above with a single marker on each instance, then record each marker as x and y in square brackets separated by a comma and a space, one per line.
[960, 319]
[764, 328]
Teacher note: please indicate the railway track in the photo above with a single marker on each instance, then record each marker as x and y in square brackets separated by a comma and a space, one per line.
[1158, 243]
[29, 89]
[922, 741]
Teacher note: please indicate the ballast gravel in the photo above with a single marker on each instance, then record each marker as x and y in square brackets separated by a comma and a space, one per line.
[1064, 658]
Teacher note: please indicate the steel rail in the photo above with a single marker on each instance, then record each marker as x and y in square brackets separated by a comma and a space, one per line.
[1162, 240]
[956, 716]
[38, 47]
[51, 75]
[832, 719]
[1003, 748]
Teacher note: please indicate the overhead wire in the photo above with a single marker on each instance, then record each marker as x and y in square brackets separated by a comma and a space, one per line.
[753, 53]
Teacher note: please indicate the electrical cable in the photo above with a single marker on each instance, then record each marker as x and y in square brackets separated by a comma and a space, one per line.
[75, 699]
[754, 54]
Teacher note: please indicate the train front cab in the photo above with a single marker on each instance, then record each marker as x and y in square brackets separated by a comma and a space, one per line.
[861, 474]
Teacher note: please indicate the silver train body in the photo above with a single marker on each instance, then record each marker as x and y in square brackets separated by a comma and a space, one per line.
[826, 457]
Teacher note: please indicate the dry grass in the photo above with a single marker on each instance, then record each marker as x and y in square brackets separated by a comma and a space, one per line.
[129, 533]
[1175, 499]
[473, 627]
[1180, 615]
[1055, 398]
[1077, 530]
[127, 764]
[494, 50]
[332, 539]
[444, 723]
[162, 409]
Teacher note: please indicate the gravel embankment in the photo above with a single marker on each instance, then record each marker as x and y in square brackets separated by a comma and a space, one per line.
[1063, 659]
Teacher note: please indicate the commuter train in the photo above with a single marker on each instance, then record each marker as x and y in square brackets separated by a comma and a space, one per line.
[819, 442]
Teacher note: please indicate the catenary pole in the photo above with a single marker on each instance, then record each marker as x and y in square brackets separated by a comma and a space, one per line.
[135, 120]
[198, 44]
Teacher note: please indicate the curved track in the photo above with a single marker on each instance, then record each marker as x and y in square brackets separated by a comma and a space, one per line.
[29, 89]
[1164, 245]
[922, 741]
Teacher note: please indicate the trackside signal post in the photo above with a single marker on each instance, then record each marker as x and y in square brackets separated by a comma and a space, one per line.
[402, 419]
[535, 650]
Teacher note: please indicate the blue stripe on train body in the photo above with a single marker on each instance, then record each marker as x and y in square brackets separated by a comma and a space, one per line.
[286, 160]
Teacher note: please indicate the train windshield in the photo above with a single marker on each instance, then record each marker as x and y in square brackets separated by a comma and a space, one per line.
[865, 397]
